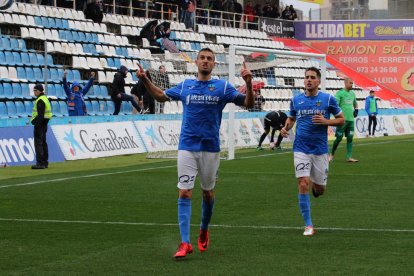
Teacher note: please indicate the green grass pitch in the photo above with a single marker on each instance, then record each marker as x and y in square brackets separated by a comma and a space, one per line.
[118, 216]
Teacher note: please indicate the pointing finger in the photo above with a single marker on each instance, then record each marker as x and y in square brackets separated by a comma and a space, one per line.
[244, 65]
[140, 67]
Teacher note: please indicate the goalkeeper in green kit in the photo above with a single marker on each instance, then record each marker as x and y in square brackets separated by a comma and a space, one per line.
[347, 102]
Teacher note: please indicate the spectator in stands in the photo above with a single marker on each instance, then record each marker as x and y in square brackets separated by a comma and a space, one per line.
[162, 36]
[145, 100]
[238, 9]
[80, 5]
[118, 94]
[216, 6]
[275, 11]
[250, 13]
[148, 32]
[285, 13]
[41, 114]
[371, 108]
[94, 11]
[292, 13]
[228, 7]
[190, 14]
[75, 94]
[267, 10]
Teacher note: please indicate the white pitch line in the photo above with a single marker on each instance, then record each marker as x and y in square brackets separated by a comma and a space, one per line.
[83, 176]
[197, 225]
[331, 174]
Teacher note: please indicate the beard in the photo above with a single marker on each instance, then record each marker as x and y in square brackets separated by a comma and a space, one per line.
[205, 72]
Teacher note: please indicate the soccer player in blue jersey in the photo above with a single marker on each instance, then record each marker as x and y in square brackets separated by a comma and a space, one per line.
[311, 111]
[203, 101]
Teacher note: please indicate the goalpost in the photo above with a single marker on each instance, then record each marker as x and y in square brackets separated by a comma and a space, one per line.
[277, 76]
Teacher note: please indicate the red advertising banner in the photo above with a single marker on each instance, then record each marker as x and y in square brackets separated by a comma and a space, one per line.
[388, 63]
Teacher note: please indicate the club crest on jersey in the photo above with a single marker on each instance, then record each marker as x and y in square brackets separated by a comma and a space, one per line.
[211, 87]
[318, 103]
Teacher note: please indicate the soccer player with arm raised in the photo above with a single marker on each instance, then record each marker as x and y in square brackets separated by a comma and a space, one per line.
[203, 101]
[311, 111]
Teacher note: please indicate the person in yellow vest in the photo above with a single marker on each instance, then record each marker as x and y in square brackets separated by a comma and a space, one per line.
[41, 114]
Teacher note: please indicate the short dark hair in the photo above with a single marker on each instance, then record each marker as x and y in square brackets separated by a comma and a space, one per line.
[314, 69]
[371, 91]
[206, 50]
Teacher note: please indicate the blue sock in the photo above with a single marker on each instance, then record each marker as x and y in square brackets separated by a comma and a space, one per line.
[206, 213]
[184, 215]
[304, 205]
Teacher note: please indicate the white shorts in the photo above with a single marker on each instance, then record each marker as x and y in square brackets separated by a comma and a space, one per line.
[190, 163]
[310, 165]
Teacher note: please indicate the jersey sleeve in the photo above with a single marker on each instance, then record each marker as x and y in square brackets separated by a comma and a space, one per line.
[231, 95]
[292, 111]
[174, 93]
[333, 106]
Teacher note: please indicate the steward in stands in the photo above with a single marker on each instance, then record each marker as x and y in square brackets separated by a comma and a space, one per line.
[76, 102]
[41, 114]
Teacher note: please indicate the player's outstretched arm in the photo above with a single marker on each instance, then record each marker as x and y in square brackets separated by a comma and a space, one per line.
[155, 91]
[247, 76]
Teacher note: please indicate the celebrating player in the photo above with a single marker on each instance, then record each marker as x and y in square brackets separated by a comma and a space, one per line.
[198, 151]
[311, 110]
[275, 120]
[347, 102]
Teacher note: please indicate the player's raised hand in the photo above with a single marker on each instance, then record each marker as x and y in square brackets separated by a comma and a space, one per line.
[65, 73]
[245, 73]
[92, 74]
[140, 72]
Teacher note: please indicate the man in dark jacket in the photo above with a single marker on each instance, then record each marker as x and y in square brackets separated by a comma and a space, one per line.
[41, 114]
[118, 91]
[76, 103]
[94, 11]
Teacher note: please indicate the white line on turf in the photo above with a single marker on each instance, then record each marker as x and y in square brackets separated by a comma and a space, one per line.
[83, 176]
[197, 225]
[331, 174]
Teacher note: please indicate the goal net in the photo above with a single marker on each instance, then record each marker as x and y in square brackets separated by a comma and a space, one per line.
[277, 76]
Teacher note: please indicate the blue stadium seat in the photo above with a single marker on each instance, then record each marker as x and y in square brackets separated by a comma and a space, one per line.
[21, 73]
[2, 58]
[41, 59]
[45, 22]
[65, 24]
[14, 44]
[47, 70]
[17, 90]
[38, 20]
[28, 106]
[93, 92]
[25, 58]
[118, 51]
[30, 74]
[103, 109]
[20, 110]
[110, 62]
[38, 74]
[60, 92]
[3, 111]
[9, 58]
[22, 44]
[75, 36]
[95, 108]
[11, 109]
[82, 36]
[69, 75]
[51, 91]
[5, 43]
[89, 108]
[117, 62]
[88, 37]
[62, 34]
[17, 58]
[76, 75]
[60, 73]
[54, 75]
[1, 91]
[51, 23]
[86, 48]
[95, 38]
[26, 91]
[33, 59]
[68, 36]
[104, 92]
[126, 108]
[110, 107]
[8, 90]
[50, 61]
[58, 23]
[56, 109]
[63, 108]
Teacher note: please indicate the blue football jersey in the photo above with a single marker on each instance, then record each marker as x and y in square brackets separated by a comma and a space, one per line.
[312, 138]
[203, 104]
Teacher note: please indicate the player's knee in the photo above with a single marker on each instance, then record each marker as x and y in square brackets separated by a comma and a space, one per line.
[208, 195]
[320, 189]
[303, 185]
[339, 136]
[185, 193]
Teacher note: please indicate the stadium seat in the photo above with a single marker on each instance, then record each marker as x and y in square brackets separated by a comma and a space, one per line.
[21, 74]
[8, 91]
[103, 108]
[104, 92]
[110, 107]
[51, 91]
[3, 111]
[17, 90]
[56, 109]
[28, 106]
[63, 108]
[9, 58]
[95, 108]
[126, 108]
[30, 74]
[38, 74]
[20, 110]
[25, 91]
[89, 108]
[11, 109]
[60, 92]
